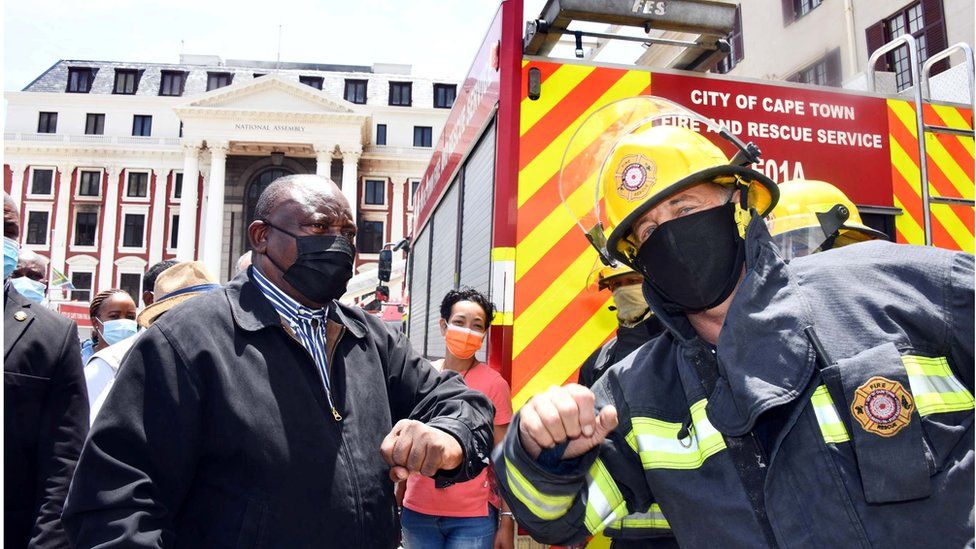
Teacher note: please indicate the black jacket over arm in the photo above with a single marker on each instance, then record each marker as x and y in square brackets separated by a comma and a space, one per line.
[45, 420]
[218, 432]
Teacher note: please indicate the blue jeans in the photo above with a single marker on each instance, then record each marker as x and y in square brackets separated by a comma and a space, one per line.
[422, 531]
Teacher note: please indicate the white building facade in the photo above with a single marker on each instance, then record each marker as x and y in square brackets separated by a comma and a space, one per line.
[117, 166]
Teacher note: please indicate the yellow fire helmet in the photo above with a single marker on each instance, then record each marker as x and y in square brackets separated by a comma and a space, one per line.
[631, 154]
[813, 216]
[603, 277]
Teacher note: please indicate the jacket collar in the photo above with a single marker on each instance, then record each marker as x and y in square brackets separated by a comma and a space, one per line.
[764, 359]
[252, 311]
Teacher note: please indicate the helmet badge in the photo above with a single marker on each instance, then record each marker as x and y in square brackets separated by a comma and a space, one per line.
[635, 177]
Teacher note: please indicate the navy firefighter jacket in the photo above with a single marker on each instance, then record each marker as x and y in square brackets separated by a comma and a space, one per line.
[835, 411]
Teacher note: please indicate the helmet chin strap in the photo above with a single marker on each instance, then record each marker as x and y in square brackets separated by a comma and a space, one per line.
[743, 214]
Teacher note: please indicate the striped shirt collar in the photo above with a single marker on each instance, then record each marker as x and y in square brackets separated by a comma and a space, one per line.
[292, 310]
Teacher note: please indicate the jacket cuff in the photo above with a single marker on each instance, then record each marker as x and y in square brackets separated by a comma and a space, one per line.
[471, 464]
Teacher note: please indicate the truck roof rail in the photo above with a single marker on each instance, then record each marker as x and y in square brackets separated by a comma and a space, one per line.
[712, 20]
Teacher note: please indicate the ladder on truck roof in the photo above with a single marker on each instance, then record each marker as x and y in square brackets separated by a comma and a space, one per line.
[712, 20]
[921, 94]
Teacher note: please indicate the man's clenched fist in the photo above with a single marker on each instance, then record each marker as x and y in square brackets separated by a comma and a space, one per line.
[413, 447]
[563, 413]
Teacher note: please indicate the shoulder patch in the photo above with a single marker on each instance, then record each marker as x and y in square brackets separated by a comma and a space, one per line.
[882, 406]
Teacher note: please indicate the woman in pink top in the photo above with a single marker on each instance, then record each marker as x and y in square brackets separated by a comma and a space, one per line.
[468, 514]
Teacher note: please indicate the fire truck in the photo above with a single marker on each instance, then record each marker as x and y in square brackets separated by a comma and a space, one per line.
[489, 213]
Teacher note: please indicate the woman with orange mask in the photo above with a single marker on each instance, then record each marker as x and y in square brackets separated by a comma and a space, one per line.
[468, 514]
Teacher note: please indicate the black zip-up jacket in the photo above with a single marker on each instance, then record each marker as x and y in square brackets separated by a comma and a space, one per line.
[218, 432]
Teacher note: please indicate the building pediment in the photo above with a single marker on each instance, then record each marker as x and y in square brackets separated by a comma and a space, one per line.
[268, 94]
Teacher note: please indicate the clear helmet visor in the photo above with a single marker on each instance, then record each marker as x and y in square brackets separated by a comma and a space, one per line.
[589, 149]
[802, 242]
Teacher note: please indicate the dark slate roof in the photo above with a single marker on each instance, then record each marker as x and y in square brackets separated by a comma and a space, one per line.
[55, 79]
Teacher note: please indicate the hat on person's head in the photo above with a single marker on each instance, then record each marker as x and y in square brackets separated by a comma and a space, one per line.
[175, 285]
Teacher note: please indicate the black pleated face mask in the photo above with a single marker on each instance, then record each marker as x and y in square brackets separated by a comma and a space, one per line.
[694, 262]
[322, 268]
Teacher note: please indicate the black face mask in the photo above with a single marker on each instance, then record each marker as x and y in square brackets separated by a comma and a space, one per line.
[694, 262]
[322, 267]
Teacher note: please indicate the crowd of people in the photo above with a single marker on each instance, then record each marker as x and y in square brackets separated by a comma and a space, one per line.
[761, 391]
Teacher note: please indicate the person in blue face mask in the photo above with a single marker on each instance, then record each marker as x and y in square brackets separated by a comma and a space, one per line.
[30, 276]
[113, 316]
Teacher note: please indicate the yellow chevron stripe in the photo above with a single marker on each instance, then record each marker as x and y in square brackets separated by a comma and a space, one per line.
[910, 171]
[959, 178]
[546, 164]
[949, 217]
[909, 227]
[952, 116]
[525, 62]
[541, 239]
[534, 318]
[562, 81]
[905, 113]
[568, 358]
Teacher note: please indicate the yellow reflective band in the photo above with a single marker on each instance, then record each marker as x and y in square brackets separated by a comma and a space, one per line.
[935, 388]
[831, 426]
[604, 502]
[658, 445]
[653, 518]
[544, 506]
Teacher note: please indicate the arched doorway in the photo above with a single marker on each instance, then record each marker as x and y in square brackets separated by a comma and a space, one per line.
[255, 187]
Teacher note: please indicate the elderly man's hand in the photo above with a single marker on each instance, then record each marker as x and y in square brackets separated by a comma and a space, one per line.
[413, 447]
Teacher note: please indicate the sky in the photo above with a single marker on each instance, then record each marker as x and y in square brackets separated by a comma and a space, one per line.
[438, 37]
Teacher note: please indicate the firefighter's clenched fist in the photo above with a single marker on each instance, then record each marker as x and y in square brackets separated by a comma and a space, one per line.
[564, 413]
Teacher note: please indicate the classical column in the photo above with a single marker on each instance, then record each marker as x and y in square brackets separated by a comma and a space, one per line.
[188, 203]
[398, 214]
[59, 243]
[323, 160]
[214, 232]
[157, 237]
[17, 182]
[350, 180]
[109, 243]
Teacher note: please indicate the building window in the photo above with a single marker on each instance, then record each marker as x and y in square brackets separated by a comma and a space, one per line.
[381, 134]
[314, 81]
[737, 51]
[178, 185]
[132, 284]
[47, 122]
[218, 80]
[422, 136]
[355, 91]
[42, 182]
[400, 94]
[132, 230]
[825, 72]
[142, 125]
[83, 286]
[138, 185]
[375, 192]
[80, 79]
[126, 81]
[925, 22]
[414, 185]
[444, 95]
[171, 83]
[174, 231]
[369, 239]
[89, 184]
[94, 124]
[795, 9]
[36, 228]
[86, 225]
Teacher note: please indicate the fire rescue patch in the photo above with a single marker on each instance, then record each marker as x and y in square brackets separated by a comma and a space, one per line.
[882, 406]
[635, 177]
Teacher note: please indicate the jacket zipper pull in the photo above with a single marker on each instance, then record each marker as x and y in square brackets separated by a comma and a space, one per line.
[335, 414]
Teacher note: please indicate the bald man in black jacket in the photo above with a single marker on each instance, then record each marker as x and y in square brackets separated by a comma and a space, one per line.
[45, 413]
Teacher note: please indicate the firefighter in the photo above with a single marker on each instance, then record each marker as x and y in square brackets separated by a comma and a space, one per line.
[814, 216]
[636, 325]
[825, 402]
